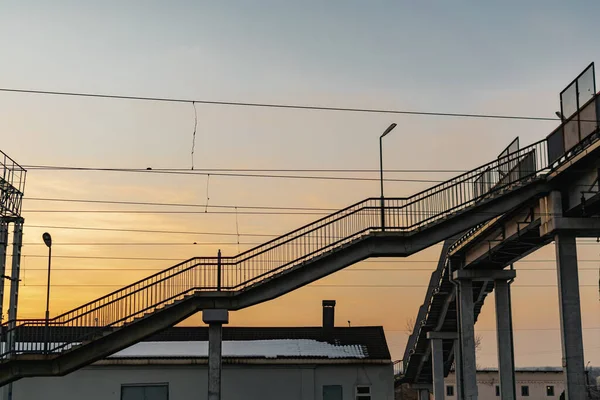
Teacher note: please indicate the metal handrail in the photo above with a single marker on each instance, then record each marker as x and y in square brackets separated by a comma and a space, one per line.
[124, 306]
[516, 164]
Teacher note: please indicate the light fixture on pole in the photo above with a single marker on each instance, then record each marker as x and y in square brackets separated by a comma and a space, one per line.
[48, 241]
[388, 130]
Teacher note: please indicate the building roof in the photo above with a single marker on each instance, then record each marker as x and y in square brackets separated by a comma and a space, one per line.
[358, 343]
[275, 348]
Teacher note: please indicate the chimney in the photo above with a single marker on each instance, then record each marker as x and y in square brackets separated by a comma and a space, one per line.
[328, 314]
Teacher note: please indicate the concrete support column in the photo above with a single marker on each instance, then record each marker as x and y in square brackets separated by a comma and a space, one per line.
[458, 368]
[215, 320]
[467, 322]
[7, 393]
[506, 361]
[467, 339]
[3, 247]
[570, 316]
[437, 360]
[14, 281]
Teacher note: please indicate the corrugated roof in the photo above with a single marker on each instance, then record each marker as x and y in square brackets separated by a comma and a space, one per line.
[369, 339]
[277, 348]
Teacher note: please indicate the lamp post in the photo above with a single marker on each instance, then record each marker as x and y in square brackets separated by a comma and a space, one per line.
[388, 130]
[48, 241]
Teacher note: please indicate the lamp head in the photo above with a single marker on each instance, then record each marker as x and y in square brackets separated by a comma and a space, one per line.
[47, 239]
[389, 129]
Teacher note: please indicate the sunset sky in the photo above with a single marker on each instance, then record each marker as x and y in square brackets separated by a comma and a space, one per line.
[510, 57]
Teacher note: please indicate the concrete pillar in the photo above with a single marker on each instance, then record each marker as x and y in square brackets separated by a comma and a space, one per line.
[467, 339]
[458, 368]
[14, 296]
[3, 247]
[437, 360]
[570, 316]
[215, 335]
[506, 361]
[215, 320]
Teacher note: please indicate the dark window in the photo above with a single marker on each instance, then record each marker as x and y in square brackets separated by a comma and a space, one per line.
[145, 392]
[363, 393]
[549, 390]
[524, 390]
[449, 390]
[332, 392]
[497, 391]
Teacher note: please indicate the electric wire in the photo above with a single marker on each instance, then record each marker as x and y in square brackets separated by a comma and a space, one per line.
[283, 106]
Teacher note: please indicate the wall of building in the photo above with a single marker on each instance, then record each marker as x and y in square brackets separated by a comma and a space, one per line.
[240, 382]
[537, 383]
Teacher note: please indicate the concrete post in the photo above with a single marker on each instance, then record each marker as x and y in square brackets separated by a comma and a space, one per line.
[215, 335]
[14, 296]
[215, 320]
[467, 330]
[458, 367]
[437, 361]
[570, 316]
[465, 280]
[506, 362]
[14, 280]
[3, 247]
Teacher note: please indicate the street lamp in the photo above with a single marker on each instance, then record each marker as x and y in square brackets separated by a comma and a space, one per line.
[48, 241]
[388, 130]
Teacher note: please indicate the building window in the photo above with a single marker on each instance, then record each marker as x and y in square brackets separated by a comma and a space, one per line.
[497, 391]
[449, 390]
[524, 390]
[549, 390]
[332, 392]
[145, 392]
[363, 393]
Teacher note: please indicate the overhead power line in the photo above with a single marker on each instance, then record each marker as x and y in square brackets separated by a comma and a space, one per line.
[45, 256]
[310, 285]
[196, 243]
[86, 228]
[334, 170]
[228, 174]
[83, 269]
[283, 106]
[143, 203]
[175, 212]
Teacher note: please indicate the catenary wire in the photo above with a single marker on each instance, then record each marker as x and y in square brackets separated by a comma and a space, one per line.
[45, 256]
[142, 203]
[282, 105]
[240, 175]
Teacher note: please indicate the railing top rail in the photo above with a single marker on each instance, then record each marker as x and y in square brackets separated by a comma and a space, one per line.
[125, 288]
[486, 165]
[253, 249]
[14, 163]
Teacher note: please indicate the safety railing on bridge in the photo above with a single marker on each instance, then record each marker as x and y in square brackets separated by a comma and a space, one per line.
[12, 185]
[279, 255]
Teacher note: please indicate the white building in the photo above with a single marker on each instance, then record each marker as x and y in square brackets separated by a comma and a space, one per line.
[318, 363]
[535, 383]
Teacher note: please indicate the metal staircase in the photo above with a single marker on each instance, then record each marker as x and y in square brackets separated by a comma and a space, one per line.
[438, 311]
[115, 321]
